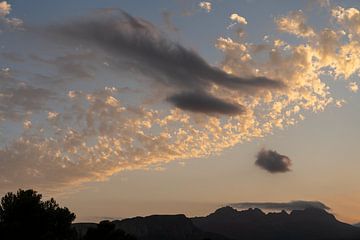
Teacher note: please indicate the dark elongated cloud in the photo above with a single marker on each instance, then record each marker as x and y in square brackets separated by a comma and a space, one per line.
[141, 44]
[293, 205]
[204, 103]
[272, 161]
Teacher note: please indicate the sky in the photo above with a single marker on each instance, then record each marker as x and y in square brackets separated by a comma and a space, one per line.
[119, 108]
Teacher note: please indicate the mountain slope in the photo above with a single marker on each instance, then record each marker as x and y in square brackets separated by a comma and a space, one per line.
[81, 228]
[308, 224]
[227, 223]
[157, 227]
[164, 227]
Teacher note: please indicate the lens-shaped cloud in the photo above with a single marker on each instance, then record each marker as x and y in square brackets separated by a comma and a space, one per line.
[293, 205]
[204, 103]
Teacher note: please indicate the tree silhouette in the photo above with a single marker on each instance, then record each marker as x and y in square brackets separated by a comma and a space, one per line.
[106, 230]
[25, 216]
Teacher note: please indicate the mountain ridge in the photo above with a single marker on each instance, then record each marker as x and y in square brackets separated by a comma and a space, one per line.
[227, 223]
[310, 223]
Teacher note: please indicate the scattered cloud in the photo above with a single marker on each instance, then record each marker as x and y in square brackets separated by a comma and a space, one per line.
[237, 18]
[293, 205]
[349, 18]
[5, 21]
[353, 87]
[206, 6]
[88, 133]
[295, 23]
[272, 161]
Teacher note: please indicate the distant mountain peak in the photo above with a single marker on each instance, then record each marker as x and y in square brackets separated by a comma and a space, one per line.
[310, 224]
[253, 210]
[313, 214]
[227, 210]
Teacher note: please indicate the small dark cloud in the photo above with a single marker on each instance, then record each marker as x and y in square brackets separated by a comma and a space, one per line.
[272, 161]
[293, 205]
[139, 43]
[204, 103]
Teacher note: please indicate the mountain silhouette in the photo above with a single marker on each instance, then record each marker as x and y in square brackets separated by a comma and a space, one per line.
[228, 223]
[253, 224]
[158, 227]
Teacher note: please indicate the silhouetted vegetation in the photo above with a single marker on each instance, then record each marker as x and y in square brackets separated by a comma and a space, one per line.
[105, 230]
[25, 215]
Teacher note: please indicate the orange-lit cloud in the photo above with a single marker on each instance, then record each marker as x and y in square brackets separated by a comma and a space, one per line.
[206, 6]
[5, 9]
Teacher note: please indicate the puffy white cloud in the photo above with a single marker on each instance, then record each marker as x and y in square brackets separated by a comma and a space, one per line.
[237, 18]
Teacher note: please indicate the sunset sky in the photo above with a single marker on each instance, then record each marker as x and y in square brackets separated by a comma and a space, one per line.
[120, 108]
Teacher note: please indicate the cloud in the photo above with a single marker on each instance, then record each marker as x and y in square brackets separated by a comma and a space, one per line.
[206, 6]
[295, 23]
[90, 132]
[349, 18]
[72, 65]
[140, 44]
[293, 205]
[332, 51]
[14, 57]
[237, 18]
[272, 161]
[5, 21]
[18, 101]
[319, 3]
[5, 9]
[353, 87]
[168, 22]
[204, 103]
